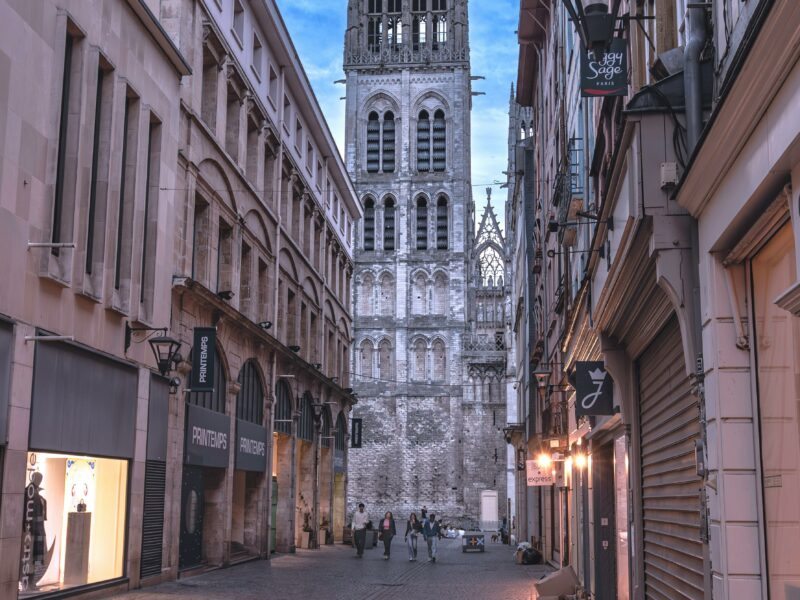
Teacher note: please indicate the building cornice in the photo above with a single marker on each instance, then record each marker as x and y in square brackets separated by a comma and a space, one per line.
[161, 37]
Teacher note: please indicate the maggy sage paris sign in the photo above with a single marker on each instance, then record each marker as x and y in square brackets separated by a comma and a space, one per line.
[605, 73]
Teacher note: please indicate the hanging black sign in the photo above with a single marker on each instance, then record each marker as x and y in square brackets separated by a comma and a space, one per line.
[355, 433]
[251, 447]
[605, 73]
[204, 354]
[595, 390]
[207, 437]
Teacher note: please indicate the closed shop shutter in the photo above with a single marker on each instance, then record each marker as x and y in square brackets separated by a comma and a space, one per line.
[155, 476]
[670, 426]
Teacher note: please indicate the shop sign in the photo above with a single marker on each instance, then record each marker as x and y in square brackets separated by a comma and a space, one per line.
[251, 447]
[207, 434]
[204, 353]
[538, 476]
[355, 433]
[594, 390]
[605, 73]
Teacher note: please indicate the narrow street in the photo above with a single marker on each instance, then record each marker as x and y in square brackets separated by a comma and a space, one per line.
[333, 573]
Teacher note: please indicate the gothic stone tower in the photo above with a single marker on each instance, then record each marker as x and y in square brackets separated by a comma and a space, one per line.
[408, 152]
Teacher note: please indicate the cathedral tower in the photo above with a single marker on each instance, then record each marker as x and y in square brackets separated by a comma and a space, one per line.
[407, 149]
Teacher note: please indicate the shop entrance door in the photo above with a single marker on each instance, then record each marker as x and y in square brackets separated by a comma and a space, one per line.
[273, 522]
[605, 529]
[192, 501]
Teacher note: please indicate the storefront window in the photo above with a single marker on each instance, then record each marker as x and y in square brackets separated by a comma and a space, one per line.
[73, 524]
[778, 353]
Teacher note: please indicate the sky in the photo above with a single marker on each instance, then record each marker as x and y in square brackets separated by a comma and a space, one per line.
[317, 28]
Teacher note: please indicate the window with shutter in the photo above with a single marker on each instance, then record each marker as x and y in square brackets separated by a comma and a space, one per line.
[424, 142]
[369, 224]
[422, 224]
[373, 143]
[441, 224]
[439, 142]
[388, 142]
[388, 225]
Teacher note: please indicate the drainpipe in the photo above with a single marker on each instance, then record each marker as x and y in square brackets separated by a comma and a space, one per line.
[693, 91]
[692, 78]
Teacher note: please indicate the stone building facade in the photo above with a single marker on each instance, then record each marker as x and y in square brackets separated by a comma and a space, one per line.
[407, 149]
[169, 169]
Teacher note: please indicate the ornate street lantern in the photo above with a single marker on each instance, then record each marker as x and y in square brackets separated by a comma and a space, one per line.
[165, 349]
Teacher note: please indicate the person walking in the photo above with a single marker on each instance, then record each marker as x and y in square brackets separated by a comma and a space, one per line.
[359, 527]
[430, 531]
[387, 531]
[413, 529]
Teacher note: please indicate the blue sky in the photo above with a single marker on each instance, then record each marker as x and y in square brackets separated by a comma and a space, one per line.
[317, 29]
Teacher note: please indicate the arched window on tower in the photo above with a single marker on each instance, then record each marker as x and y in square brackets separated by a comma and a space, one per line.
[420, 352]
[442, 241]
[439, 142]
[366, 360]
[375, 34]
[373, 143]
[418, 295]
[439, 361]
[419, 31]
[369, 224]
[439, 31]
[388, 225]
[394, 26]
[385, 367]
[388, 142]
[365, 296]
[424, 142]
[422, 224]
[523, 131]
[387, 304]
[440, 294]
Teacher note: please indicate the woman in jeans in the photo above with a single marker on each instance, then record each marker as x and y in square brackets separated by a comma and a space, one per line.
[413, 529]
[387, 531]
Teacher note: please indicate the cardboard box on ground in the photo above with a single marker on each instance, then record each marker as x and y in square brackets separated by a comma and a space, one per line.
[561, 583]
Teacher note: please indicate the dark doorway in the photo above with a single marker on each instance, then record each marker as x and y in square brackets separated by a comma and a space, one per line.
[192, 508]
[604, 523]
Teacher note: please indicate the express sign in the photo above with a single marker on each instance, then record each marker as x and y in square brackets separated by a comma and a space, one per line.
[537, 476]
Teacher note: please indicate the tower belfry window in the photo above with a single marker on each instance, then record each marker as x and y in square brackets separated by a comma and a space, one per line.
[394, 31]
[441, 224]
[375, 34]
[388, 225]
[373, 143]
[439, 31]
[419, 30]
[424, 142]
[394, 6]
[439, 142]
[388, 142]
[375, 6]
[369, 224]
[422, 224]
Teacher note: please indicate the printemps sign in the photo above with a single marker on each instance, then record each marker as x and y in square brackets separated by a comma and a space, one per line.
[605, 73]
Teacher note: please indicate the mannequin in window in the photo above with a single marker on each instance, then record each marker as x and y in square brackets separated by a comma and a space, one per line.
[34, 535]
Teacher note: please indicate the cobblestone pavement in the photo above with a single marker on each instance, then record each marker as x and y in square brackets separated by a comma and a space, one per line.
[333, 573]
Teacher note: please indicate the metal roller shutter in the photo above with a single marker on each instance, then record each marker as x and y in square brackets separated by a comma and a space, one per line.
[155, 475]
[669, 427]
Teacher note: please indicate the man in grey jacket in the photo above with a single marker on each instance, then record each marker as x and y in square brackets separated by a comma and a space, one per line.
[359, 527]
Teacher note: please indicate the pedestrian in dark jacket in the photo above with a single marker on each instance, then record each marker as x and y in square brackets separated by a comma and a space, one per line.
[413, 529]
[430, 531]
[387, 531]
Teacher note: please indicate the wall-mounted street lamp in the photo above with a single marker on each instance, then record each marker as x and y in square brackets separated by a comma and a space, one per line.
[165, 349]
[265, 325]
[594, 22]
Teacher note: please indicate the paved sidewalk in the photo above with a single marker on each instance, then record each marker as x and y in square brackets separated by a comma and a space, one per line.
[333, 573]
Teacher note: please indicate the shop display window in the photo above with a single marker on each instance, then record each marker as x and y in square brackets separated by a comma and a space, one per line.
[73, 522]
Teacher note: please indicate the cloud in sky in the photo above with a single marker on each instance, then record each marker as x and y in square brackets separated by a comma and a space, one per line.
[317, 28]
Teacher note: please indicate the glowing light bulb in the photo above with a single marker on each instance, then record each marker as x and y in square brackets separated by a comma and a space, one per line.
[544, 461]
[580, 460]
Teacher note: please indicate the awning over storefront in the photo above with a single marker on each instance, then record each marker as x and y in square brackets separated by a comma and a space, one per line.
[83, 402]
